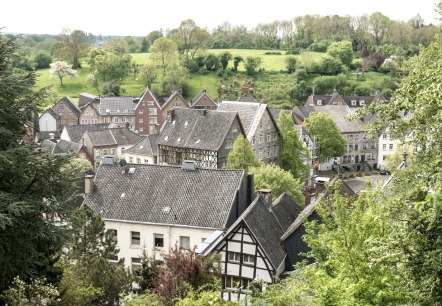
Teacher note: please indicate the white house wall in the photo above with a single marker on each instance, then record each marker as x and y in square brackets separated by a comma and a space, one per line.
[171, 235]
[134, 158]
[47, 123]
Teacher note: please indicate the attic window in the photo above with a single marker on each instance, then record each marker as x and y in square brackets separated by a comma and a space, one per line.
[131, 170]
[167, 137]
[198, 141]
[353, 102]
[166, 209]
[362, 102]
[179, 139]
[141, 147]
[174, 121]
[319, 102]
[123, 195]
[186, 123]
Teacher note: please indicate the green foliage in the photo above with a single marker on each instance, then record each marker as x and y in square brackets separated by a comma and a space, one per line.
[72, 46]
[203, 298]
[35, 293]
[111, 88]
[150, 268]
[41, 60]
[89, 276]
[212, 62]
[342, 50]
[328, 137]
[224, 59]
[327, 84]
[279, 181]
[61, 70]
[293, 155]
[241, 155]
[236, 61]
[251, 65]
[291, 64]
[147, 74]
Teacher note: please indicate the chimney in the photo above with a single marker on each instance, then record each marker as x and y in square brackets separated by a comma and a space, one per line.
[267, 196]
[250, 188]
[189, 165]
[88, 184]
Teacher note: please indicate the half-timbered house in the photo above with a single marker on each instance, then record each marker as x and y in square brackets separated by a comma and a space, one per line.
[201, 135]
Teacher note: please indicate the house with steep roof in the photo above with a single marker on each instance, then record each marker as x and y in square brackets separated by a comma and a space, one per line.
[148, 114]
[74, 133]
[251, 248]
[67, 112]
[154, 207]
[118, 110]
[261, 128]
[90, 114]
[174, 100]
[101, 143]
[86, 98]
[201, 135]
[336, 99]
[49, 121]
[203, 101]
[143, 152]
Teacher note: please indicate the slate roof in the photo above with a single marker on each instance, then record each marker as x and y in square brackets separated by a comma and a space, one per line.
[174, 93]
[276, 111]
[64, 146]
[47, 145]
[116, 106]
[265, 228]
[146, 146]
[303, 112]
[246, 99]
[202, 95]
[286, 210]
[86, 98]
[144, 195]
[75, 132]
[338, 114]
[51, 112]
[46, 135]
[196, 128]
[109, 137]
[335, 96]
[70, 105]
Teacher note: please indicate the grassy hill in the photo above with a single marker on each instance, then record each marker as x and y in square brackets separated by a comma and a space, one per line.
[272, 80]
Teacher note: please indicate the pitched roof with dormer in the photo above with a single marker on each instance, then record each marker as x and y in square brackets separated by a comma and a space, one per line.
[75, 132]
[175, 94]
[65, 147]
[113, 137]
[145, 97]
[197, 128]
[116, 106]
[339, 113]
[145, 195]
[86, 98]
[286, 210]
[70, 105]
[202, 96]
[146, 146]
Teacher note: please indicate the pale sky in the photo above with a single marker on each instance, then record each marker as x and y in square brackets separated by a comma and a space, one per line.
[138, 18]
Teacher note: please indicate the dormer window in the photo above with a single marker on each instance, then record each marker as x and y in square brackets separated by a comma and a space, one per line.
[353, 102]
[361, 102]
[319, 102]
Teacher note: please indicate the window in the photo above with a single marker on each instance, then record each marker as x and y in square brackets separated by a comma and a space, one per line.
[116, 119]
[153, 120]
[152, 129]
[319, 102]
[232, 282]
[248, 259]
[390, 147]
[152, 111]
[146, 161]
[233, 256]
[113, 151]
[140, 111]
[149, 102]
[269, 137]
[131, 159]
[136, 263]
[276, 150]
[138, 160]
[361, 102]
[203, 239]
[261, 138]
[135, 238]
[140, 120]
[185, 242]
[356, 147]
[260, 154]
[384, 147]
[275, 136]
[353, 102]
[113, 233]
[260, 126]
[97, 153]
[158, 240]
[140, 129]
[253, 140]
[384, 136]
[113, 258]
[268, 152]
[104, 152]
[350, 147]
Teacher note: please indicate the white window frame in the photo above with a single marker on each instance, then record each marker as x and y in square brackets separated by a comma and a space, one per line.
[135, 238]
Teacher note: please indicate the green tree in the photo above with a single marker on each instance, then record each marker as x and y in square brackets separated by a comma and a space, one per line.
[116, 45]
[224, 58]
[328, 137]
[62, 70]
[342, 50]
[241, 155]
[72, 46]
[380, 26]
[38, 292]
[41, 60]
[293, 155]
[279, 181]
[252, 64]
[236, 61]
[164, 53]
[147, 74]
[212, 62]
[87, 260]
[34, 188]
[290, 63]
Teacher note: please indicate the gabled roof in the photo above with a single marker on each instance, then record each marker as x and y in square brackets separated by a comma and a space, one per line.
[70, 105]
[148, 92]
[116, 106]
[303, 112]
[202, 96]
[48, 145]
[51, 112]
[109, 137]
[93, 105]
[174, 94]
[338, 114]
[196, 128]
[265, 227]
[47, 135]
[165, 195]
[75, 132]
[250, 114]
[246, 99]
[86, 98]
[286, 210]
[146, 146]
[64, 146]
